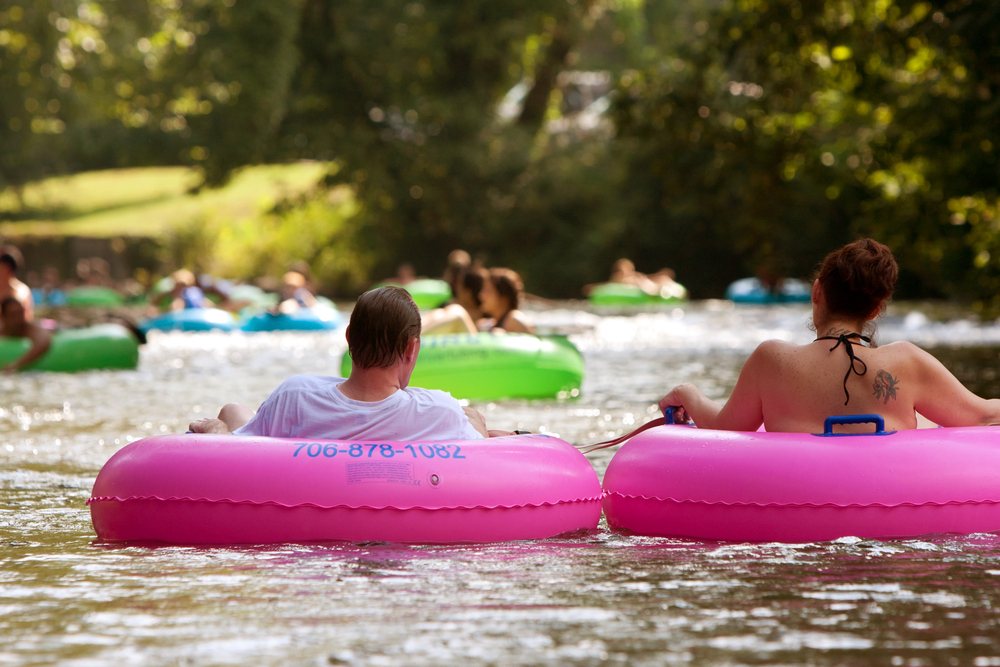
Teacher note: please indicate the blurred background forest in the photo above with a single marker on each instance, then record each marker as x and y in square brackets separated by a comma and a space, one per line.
[720, 138]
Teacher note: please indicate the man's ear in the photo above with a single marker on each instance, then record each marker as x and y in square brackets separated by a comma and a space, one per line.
[412, 349]
[347, 334]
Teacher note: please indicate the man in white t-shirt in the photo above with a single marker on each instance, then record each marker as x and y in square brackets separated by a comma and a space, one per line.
[383, 338]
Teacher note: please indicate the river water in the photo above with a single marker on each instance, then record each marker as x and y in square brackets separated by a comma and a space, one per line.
[588, 599]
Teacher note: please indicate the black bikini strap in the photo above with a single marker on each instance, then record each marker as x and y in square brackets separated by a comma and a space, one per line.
[846, 340]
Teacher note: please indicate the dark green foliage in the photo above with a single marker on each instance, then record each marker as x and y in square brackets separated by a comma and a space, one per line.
[404, 96]
[745, 136]
[30, 98]
[865, 122]
[235, 79]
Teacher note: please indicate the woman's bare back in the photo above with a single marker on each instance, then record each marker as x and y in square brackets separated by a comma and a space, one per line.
[798, 386]
[804, 384]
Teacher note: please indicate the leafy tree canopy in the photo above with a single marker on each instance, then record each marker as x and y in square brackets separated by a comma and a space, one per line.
[743, 136]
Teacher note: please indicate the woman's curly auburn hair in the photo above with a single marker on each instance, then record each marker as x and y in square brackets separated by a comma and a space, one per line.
[858, 279]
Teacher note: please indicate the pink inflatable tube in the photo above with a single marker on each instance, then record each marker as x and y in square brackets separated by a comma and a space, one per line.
[791, 487]
[214, 489]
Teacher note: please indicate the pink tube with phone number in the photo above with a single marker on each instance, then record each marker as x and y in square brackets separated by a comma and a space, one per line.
[215, 489]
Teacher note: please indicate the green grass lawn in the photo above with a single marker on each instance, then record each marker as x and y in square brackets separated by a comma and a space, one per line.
[145, 202]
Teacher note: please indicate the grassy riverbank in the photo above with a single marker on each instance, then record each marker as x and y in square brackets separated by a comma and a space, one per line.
[236, 231]
[147, 201]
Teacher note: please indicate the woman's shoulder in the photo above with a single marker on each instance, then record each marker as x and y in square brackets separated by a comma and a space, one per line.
[777, 343]
[902, 349]
[909, 355]
[775, 346]
[771, 355]
[900, 345]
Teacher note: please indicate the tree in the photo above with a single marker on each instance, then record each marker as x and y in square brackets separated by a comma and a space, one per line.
[405, 97]
[788, 127]
[35, 93]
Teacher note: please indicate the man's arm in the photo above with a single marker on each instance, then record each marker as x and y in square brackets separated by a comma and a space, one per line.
[478, 422]
[231, 417]
[41, 340]
[209, 425]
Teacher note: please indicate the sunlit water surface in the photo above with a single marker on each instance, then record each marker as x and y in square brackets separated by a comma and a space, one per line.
[585, 599]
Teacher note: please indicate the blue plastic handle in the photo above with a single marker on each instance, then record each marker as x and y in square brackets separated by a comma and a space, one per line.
[829, 423]
[668, 414]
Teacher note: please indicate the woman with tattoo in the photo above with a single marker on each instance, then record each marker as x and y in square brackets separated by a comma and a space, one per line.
[793, 388]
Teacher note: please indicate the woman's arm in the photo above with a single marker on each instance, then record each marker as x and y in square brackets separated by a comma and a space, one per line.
[695, 404]
[944, 400]
[742, 412]
[515, 322]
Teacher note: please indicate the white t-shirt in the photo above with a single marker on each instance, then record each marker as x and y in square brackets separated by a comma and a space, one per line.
[311, 406]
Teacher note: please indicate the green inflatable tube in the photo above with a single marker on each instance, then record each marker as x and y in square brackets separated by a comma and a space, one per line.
[427, 293]
[90, 296]
[487, 367]
[619, 294]
[101, 346]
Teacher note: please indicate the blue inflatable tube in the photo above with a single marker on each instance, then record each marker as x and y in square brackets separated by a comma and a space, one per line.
[751, 290]
[304, 319]
[190, 319]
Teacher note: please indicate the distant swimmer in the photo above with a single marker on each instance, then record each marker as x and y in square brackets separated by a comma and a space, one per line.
[220, 289]
[459, 262]
[186, 293]
[294, 293]
[11, 287]
[666, 285]
[94, 272]
[501, 296]
[16, 325]
[794, 388]
[51, 289]
[661, 283]
[405, 275]
[464, 312]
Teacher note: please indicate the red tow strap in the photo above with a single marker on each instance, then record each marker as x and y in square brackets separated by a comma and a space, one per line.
[659, 421]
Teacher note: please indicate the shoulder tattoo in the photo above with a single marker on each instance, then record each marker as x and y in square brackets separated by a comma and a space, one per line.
[885, 386]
